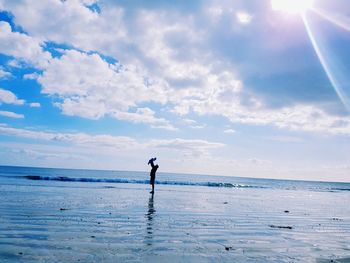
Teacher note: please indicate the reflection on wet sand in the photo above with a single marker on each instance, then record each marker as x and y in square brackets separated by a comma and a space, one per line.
[150, 215]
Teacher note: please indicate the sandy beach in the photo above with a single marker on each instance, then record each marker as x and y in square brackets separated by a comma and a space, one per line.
[46, 221]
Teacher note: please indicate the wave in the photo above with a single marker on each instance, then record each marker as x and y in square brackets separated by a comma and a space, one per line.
[339, 189]
[131, 181]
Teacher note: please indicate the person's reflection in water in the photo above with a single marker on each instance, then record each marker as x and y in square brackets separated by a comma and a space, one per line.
[150, 216]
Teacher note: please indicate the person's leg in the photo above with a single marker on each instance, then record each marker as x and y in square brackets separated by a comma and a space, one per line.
[153, 179]
[152, 184]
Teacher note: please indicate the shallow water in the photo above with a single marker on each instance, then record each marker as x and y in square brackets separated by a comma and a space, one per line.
[96, 221]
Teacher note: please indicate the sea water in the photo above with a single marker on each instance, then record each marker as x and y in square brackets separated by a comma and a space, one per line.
[65, 215]
[21, 175]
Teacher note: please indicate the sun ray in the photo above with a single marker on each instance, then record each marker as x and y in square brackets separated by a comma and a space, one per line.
[337, 19]
[337, 80]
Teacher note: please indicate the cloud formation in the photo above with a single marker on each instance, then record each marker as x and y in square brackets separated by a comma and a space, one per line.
[8, 97]
[243, 17]
[160, 57]
[70, 22]
[117, 142]
[41, 155]
[190, 147]
[90, 87]
[187, 147]
[11, 114]
[34, 105]
[4, 74]
[22, 46]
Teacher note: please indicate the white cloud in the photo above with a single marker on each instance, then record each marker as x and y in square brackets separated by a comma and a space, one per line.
[194, 124]
[90, 87]
[70, 22]
[243, 17]
[168, 45]
[214, 12]
[199, 126]
[184, 144]
[22, 47]
[300, 117]
[46, 155]
[33, 76]
[144, 115]
[229, 131]
[35, 105]
[81, 139]
[14, 63]
[4, 74]
[11, 114]
[8, 97]
[187, 146]
[220, 11]
[296, 118]
[285, 138]
[189, 121]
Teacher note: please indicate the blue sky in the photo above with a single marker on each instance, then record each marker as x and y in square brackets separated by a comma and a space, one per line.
[242, 88]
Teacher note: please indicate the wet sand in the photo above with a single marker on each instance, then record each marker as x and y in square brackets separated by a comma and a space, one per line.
[94, 222]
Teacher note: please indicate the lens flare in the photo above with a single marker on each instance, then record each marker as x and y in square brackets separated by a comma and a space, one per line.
[330, 65]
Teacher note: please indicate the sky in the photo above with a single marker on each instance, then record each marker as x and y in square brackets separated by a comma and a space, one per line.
[255, 88]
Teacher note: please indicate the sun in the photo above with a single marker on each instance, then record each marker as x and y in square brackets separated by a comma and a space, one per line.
[291, 6]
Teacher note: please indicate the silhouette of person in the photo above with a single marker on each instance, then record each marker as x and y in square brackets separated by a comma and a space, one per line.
[153, 173]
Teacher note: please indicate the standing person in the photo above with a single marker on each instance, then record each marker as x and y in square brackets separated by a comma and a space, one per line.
[153, 173]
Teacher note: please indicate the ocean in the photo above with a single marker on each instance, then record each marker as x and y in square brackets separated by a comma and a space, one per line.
[71, 215]
[21, 175]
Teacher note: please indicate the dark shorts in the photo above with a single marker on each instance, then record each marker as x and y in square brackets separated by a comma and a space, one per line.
[153, 178]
